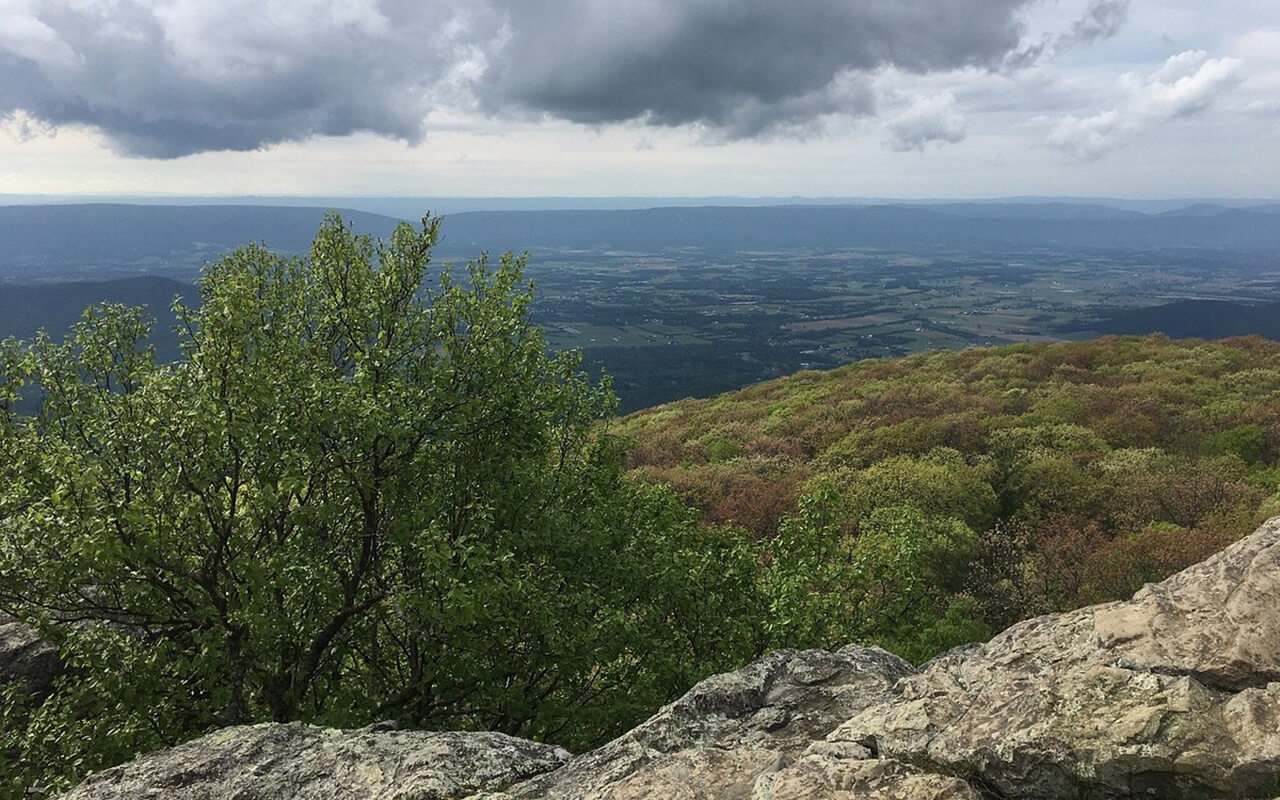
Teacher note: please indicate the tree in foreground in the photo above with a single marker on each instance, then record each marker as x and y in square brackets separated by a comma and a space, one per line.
[354, 498]
[893, 577]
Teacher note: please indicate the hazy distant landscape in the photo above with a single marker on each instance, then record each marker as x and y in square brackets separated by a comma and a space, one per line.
[691, 301]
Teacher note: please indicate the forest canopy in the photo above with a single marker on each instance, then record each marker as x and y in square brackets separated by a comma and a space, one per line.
[1084, 469]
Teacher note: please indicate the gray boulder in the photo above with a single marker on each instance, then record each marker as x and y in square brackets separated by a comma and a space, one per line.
[273, 761]
[831, 771]
[26, 658]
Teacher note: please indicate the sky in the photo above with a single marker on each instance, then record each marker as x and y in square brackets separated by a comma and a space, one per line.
[525, 98]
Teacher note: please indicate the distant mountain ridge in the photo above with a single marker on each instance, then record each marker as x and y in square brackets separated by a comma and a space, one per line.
[899, 228]
[55, 307]
[1045, 210]
[402, 206]
[61, 242]
[37, 238]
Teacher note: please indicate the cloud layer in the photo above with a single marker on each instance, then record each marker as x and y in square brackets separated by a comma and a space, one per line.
[1186, 85]
[744, 67]
[166, 78]
[931, 119]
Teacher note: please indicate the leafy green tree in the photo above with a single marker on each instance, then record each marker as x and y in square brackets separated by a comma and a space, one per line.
[940, 483]
[894, 581]
[355, 498]
[1246, 441]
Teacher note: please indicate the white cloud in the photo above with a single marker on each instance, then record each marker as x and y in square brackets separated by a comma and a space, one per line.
[929, 119]
[1186, 85]
[1264, 108]
[1183, 87]
[1089, 138]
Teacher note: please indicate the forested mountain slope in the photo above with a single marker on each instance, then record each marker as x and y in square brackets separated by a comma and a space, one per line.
[1085, 469]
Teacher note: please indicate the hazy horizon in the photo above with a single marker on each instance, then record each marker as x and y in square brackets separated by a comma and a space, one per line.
[413, 206]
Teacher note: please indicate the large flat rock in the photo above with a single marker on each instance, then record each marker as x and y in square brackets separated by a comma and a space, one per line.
[302, 762]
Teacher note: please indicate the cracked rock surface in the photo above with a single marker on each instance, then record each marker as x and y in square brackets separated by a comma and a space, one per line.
[273, 761]
[731, 735]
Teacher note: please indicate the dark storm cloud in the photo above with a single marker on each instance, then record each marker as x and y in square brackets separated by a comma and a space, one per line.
[166, 78]
[742, 67]
[174, 77]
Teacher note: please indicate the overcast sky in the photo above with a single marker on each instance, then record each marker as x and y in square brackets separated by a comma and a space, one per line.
[897, 98]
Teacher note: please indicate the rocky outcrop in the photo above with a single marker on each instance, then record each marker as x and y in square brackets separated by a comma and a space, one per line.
[1174, 693]
[1170, 694]
[302, 762]
[734, 731]
[25, 658]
